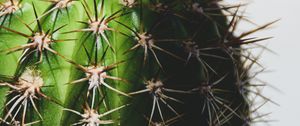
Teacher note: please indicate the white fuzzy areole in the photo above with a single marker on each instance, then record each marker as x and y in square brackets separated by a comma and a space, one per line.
[128, 3]
[160, 7]
[41, 41]
[155, 86]
[205, 89]
[63, 3]
[158, 124]
[97, 76]
[197, 8]
[145, 39]
[192, 48]
[98, 27]
[91, 118]
[31, 81]
[9, 7]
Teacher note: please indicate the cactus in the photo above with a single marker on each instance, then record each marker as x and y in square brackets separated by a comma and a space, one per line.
[124, 62]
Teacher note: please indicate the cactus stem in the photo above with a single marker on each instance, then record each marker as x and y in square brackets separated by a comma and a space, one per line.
[192, 42]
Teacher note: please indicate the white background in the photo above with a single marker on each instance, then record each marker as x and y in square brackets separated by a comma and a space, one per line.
[285, 65]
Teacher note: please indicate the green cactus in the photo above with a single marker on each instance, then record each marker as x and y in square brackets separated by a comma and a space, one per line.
[123, 62]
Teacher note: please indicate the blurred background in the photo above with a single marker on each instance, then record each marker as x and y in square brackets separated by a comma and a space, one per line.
[282, 68]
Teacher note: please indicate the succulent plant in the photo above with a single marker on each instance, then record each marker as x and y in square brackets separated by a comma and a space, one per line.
[124, 62]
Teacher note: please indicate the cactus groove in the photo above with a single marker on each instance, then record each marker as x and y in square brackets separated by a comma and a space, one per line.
[124, 62]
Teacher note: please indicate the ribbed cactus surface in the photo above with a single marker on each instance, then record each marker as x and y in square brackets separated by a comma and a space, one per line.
[123, 62]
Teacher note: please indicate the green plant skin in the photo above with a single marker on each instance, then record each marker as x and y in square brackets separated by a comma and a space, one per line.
[176, 74]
